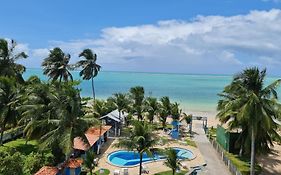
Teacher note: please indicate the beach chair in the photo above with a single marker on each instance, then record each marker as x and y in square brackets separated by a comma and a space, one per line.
[116, 172]
[144, 170]
[184, 165]
[101, 171]
[125, 171]
[96, 161]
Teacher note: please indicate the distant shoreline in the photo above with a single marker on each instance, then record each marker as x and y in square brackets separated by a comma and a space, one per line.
[167, 73]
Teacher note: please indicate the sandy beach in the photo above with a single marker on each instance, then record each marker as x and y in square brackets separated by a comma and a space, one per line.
[211, 115]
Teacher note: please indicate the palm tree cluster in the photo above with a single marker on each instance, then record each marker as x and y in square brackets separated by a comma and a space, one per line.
[56, 66]
[51, 112]
[251, 106]
[55, 115]
[135, 103]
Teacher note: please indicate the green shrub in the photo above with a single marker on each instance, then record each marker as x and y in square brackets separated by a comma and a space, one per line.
[34, 161]
[191, 143]
[11, 164]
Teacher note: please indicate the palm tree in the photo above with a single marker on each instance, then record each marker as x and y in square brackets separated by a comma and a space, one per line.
[9, 102]
[98, 109]
[137, 94]
[164, 110]
[8, 58]
[120, 101]
[63, 120]
[151, 106]
[56, 65]
[250, 105]
[89, 161]
[175, 111]
[140, 138]
[188, 120]
[172, 160]
[90, 68]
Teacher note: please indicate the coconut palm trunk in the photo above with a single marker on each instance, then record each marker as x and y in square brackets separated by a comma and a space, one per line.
[140, 163]
[252, 152]
[1, 137]
[93, 88]
[100, 138]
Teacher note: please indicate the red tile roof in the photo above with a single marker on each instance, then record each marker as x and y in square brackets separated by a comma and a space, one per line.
[96, 130]
[78, 143]
[47, 170]
[73, 163]
[92, 135]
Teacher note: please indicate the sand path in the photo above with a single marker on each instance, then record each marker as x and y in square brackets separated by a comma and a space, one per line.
[215, 165]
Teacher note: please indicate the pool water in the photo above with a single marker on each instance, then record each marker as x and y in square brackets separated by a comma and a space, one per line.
[131, 158]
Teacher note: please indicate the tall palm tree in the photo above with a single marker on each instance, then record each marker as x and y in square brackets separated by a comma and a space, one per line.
[188, 120]
[120, 101]
[140, 138]
[172, 160]
[8, 58]
[56, 65]
[165, 110]
[137, 94]
[9, 102]
[175, 111]
[151, 107]
[252, 106]
[90, 68]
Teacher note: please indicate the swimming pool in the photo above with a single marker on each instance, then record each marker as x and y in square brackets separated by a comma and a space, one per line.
[130, 158]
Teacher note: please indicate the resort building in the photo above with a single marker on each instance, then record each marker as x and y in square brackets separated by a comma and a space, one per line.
[115, 120]
[96, 137]
[48, 170]
[72, 167]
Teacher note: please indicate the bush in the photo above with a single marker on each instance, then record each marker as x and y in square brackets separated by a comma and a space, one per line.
[34, 161]
[11, 164]
[16, 158]
[191, 143]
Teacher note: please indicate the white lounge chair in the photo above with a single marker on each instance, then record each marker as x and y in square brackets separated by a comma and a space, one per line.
[144, 170]
[125, 171]
[96, 161]
[116, 172]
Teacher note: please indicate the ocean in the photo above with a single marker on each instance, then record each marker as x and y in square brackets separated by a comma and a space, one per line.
[193, 92]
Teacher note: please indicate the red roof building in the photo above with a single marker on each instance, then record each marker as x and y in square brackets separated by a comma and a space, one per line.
[47, 170]
[92, 135]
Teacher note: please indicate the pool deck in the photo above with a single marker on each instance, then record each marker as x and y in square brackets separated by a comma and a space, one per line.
[153, 167]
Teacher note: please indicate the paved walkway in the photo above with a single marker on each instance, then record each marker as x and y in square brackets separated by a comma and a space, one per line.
[215, 165]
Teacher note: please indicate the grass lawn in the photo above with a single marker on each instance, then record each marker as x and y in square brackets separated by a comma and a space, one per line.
[106, 172]
[170, 173]
[20, 146]
[191, 143]
[243, 164]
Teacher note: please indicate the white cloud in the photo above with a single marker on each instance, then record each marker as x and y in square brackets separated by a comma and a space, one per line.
[41, 53]
[206, 43]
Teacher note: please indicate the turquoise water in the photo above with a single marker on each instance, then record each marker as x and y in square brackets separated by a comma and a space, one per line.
[193, 92]
[130, 158]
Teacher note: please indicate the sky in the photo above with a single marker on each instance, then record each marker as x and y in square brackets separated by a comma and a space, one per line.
[182, 36]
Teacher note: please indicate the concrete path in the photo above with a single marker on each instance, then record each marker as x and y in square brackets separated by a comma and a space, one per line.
[215, 165]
